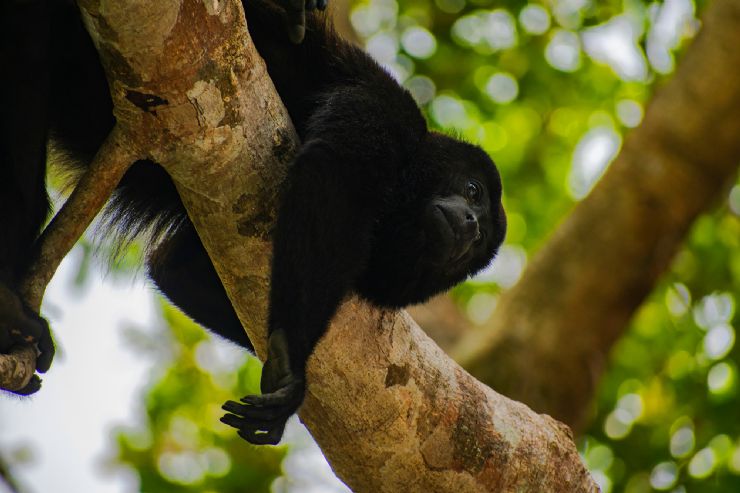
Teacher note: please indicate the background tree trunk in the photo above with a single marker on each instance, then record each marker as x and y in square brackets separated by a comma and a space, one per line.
[549, 337]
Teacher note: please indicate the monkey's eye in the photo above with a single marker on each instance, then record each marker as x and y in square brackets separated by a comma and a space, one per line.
[473, 191]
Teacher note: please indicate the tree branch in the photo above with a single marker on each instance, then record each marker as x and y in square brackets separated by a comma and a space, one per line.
[389, 409]
[111, 162]
[17, 367]
[95, 187]
[549, 337]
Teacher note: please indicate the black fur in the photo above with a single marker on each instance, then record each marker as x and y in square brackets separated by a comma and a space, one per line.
[375, 203]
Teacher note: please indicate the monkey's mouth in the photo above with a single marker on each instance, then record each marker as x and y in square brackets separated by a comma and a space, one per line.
[443, 219]
[456, 243]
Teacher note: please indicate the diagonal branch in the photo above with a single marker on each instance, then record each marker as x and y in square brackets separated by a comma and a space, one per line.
[96, 185]
[389, 409]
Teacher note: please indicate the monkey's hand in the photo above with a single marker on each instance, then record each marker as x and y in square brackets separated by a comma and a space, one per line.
[260, 419]
[19, 325]
[295, 15]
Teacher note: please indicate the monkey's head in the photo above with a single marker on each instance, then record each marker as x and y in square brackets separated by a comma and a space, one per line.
[446, 224]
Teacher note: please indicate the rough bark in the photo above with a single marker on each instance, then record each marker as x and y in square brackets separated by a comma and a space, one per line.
[17, 367]
[389, 409]
[112, 160]
[550, 335]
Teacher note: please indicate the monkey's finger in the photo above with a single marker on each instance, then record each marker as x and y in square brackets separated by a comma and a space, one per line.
[46, 350]
[281, 397]
[20, 337]
[271, 437]
[24, 330]
[37, 328]
[257, 413]
[25, 327]
[234, 421]
[241, 423]
[257, 432]
[247, 411]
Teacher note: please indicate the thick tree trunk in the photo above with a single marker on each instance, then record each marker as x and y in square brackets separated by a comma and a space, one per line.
[389, 409]
[549, 337]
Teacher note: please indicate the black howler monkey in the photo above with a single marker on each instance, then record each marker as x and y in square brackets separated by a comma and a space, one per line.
[375, 203]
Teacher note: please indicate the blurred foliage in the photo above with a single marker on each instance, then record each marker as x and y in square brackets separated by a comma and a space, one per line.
[667, 412]
[182, 447]
[549, 89]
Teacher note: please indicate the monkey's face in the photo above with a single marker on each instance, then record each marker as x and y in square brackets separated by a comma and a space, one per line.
[448, 226]
[463, 226]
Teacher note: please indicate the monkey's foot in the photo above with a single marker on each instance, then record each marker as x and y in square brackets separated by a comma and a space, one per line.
[19, 325]
[260, 419]
[33, 386]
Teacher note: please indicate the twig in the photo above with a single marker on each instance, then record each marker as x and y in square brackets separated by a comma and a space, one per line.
[112, 160]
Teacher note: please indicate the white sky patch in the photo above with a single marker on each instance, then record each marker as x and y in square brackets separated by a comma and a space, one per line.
[602, 481]
[89, 388]
[383, 47]
[469, 29]
[618, 424]
[719, 341]
[563, 51]
[422, 88]
[615, 44]
[569, 13]
[405, 67]
[703, 463]
[629, 112]
[502, 88]
[682, 442]
[495, 29]
[672, 21]
[592, 155]
[370, 18]
[499, 30]
[397, 71]
[664, 476]
[418, 42]
[721, 378]
[449, 112]
[506, 268]
[480, 307]
[714, 309]
[305, 467]
[733, 200]
[535, 19]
